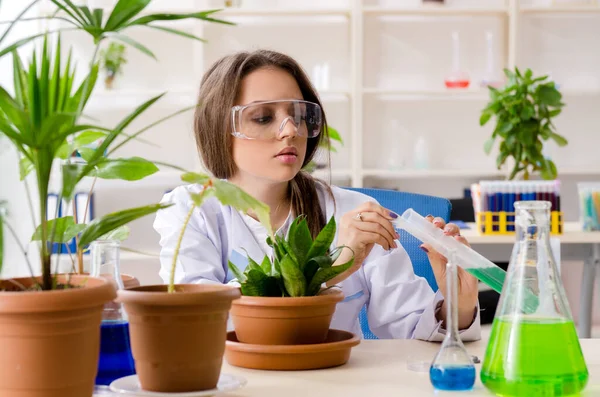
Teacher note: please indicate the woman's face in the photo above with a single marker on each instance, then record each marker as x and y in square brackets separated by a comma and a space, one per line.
[277, 156]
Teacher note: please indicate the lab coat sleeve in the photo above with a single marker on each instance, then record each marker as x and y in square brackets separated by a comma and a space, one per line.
[199, 260]
[402, 305]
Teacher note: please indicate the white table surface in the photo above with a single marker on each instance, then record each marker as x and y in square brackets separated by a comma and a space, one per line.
[378, 368]
[572, 234]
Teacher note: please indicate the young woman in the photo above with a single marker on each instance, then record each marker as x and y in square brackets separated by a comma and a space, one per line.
[259, 121]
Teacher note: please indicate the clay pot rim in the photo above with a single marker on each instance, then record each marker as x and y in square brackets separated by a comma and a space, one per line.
[331, 296]
[57, 300]
[350, 341]
[185, 295]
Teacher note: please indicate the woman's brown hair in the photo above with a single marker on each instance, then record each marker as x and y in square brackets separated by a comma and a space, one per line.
[219, 89]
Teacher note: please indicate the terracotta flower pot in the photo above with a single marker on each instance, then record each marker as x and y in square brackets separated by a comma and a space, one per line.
[178, 339]
[284, 321]
[50, 340]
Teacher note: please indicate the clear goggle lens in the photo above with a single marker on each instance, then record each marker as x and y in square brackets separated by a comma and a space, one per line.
[268, 119]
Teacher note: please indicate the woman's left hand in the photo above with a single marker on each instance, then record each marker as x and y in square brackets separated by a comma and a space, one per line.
[468, 291]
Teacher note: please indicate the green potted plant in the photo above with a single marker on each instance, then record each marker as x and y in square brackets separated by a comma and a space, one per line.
[40, 118]
[184, 326]
[113, 58]
[283, 300]
[524, 109]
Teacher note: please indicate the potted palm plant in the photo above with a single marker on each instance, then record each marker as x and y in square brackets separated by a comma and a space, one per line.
[284, 301]
[113, 58]
[42, 118]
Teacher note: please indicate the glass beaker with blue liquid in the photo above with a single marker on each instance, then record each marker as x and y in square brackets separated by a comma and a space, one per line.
[116, 360]
[452, 368]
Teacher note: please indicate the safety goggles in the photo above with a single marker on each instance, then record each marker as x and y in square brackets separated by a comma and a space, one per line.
[267, 119]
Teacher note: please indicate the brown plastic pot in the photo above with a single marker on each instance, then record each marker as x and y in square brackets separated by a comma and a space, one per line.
[178, 339]
[284, 321]
[50, 340]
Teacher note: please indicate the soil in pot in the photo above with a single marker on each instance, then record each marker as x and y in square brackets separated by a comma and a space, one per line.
[50, 340]
[285, 321]
[178, 339]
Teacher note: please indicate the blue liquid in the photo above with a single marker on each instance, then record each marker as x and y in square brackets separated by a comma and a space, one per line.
[116, 360]
[452, 378]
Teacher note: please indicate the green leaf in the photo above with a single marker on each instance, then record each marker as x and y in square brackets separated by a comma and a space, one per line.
[548, 170]
[70, 173]
[83, 139]
[229, 194]
[310, 269]
[334, 134]
[485, 117]
[204, 16]
[252, 264]
[66, 230]
[325, 274]
[128, 169]
[128, 40]
[501, 158]
[323, 240]
[293, 278]
[100, 226]
[259, 284]
[119, 234]
[300, 240]
[527, 112]
[266, 265]
[25, 167]
[488, 145]
[177, 32]
[241, 277]
[323, 261]
[123, 12]
[193, 177]
[548, 95]
[559, 139]
[504, 127]
[554, 113]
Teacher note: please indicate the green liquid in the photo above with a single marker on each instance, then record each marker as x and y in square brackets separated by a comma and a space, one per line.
[534, 357]
[493, 277]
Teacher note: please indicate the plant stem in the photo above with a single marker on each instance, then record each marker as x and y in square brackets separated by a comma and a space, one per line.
[177, 248]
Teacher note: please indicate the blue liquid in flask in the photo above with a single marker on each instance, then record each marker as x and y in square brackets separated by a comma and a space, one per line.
[452, 378]
[116, 360]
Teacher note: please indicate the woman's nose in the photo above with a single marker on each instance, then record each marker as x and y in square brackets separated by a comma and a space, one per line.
[287, 128]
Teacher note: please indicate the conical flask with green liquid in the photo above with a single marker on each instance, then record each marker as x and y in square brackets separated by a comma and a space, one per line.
[533, 348]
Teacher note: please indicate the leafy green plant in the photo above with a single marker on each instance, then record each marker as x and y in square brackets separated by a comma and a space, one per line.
[41, 119]
[524, 110]
[299, 267]
[112, 60]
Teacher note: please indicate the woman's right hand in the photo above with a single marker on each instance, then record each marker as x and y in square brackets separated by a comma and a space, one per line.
[360, 229]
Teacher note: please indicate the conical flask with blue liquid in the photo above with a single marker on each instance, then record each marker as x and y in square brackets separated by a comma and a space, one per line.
[116, 360]
[533, 348]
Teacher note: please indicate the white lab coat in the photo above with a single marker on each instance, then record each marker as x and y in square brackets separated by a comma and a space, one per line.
[399, 303]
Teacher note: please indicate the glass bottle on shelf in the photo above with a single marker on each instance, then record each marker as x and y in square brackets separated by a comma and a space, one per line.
[116, 360]
[457, 78]
[491, 77]
[452, 368]
[533, 348]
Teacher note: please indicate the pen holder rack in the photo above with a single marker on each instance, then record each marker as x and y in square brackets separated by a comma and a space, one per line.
[503, 223]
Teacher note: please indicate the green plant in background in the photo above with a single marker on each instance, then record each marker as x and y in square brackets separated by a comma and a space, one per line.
[326, 145]
[112, 59]
[524, 109]
[299, 267]
[41, 120]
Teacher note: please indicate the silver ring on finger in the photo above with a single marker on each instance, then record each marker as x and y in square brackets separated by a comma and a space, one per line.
[358, 216]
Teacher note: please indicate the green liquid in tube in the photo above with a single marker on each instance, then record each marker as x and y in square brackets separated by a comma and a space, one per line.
[539, 366]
